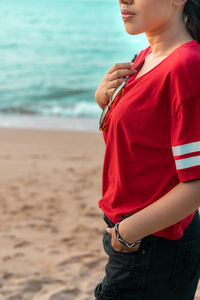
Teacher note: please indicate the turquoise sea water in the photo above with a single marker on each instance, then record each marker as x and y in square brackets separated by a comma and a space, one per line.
[53, 56]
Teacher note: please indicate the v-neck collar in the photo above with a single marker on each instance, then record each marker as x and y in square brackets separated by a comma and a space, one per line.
[148, 51]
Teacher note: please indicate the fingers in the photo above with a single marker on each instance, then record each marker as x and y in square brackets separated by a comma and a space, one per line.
[119, 66]
[115, 83]
[121, 72]
[118, 74]
[110, 92]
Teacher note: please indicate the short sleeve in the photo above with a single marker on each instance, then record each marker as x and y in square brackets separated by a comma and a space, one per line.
[185, 139]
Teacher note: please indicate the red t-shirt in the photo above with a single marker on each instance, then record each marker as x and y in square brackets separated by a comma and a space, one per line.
[152, 136]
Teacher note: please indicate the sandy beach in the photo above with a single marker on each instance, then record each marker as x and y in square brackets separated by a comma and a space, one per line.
[51, 226]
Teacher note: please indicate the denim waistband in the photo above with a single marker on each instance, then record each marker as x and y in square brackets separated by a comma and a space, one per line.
[108, 221]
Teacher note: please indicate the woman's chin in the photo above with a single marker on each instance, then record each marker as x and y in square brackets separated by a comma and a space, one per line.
[131, 31]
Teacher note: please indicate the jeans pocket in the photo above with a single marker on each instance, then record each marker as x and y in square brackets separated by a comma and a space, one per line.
[186, 270]
[126, 272]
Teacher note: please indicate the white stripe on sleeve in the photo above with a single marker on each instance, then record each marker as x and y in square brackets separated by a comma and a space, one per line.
[186, 148]
[187, 162]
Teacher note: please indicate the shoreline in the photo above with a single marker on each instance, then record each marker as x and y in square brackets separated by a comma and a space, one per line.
[80, 124]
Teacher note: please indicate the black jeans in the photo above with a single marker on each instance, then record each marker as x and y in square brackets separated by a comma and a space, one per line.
[161, 269]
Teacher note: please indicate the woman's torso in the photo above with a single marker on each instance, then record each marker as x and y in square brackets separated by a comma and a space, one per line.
[139, 167]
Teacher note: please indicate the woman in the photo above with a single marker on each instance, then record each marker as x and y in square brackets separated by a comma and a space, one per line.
[151, 171]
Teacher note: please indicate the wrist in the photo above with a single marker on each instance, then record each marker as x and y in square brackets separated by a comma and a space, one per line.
[124, 232]
[123, 240]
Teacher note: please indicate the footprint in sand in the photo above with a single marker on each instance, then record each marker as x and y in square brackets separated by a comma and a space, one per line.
[54, 251]
[5, 258]
[27, 207]
[21, 244]
[15, 297]
[90, 212]
[7, 276]
[70, 169]
[65, 294]
[32, 286]
[73, 259]
[68, 241]
[33, 194]
[14, 187]
[81, 205]
[77, 197]
[93, 171]
[18, 254]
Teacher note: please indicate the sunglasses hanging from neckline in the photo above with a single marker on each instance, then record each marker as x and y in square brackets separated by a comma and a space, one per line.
[114, 96]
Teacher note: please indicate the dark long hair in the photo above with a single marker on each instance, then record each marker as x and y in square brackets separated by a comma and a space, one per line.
[191, 17]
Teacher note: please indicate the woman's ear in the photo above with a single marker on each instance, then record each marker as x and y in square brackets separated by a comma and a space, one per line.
[179, 2]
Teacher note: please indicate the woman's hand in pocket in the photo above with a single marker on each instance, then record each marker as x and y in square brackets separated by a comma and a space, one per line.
[117, 246]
